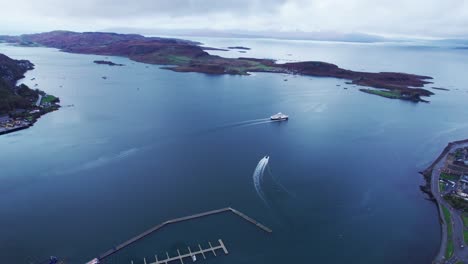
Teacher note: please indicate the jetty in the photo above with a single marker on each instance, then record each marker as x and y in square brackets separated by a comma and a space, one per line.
[178, 220]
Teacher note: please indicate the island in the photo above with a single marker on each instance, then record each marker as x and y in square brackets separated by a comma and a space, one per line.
[447, 185]
[110, 63]
[188, 56]
[239, 48]
[440, 88]
[20, 106]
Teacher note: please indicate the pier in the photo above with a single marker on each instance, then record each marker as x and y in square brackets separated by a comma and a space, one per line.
[177, 220]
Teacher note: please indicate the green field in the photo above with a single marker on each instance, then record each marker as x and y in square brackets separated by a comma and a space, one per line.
[383, 93]
[178, 60]
[456, 202]
[48, 99]
[450, 177]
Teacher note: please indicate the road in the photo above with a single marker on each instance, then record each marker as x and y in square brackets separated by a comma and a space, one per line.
[460, 250]
[39, 99]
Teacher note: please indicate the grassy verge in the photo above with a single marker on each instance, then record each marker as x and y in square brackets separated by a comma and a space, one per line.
[449, 250]
[465, 220]
[450, 247]
[442, 187]
[448, 220]
[465, 227]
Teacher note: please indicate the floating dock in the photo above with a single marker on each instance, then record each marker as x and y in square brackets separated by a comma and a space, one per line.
[177, 220]
[190, 256]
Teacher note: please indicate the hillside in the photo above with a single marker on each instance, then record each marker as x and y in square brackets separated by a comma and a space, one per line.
[11, 96]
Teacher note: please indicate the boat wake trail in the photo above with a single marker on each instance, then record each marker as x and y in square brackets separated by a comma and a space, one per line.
[274, 195]
[239, 124]
[260, 122]
[245, 123]
[278, 187]
[99, 162]
[258, 178]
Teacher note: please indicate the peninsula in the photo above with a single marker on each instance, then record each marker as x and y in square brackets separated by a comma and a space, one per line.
[20, 106]
[188, 56]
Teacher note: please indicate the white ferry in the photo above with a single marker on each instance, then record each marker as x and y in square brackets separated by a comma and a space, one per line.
[279, 116]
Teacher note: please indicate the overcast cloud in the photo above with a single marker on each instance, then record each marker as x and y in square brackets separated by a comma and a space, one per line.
[412, 18]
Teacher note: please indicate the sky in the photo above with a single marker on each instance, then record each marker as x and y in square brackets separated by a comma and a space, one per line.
[406, 18]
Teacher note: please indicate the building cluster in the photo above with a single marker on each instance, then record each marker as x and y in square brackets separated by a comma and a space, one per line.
[457, 166]
[8, 123]
[461, 157]
[462, 189]
[23, 118]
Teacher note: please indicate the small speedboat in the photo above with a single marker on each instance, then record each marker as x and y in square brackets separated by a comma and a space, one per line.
[194, 258]
[279, 116]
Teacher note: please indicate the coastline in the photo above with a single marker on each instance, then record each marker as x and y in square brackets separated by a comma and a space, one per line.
[30, 123]
[431, 189]
[20, 106]
[4, 132]
[446, 150]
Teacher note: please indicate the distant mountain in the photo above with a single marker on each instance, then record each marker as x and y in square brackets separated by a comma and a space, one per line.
[456, 43]
[68, 40]
[453, 41]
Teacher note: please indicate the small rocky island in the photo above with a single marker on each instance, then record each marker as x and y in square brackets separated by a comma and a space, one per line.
[20, 106]
[189, 56]
[440, 89]
[239, 48]
[110, 63]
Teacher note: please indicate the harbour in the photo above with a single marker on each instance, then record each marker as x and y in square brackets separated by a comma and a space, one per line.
[177, 220]
[153, 160]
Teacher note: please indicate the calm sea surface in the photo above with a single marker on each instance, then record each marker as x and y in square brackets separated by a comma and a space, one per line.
[146, 145]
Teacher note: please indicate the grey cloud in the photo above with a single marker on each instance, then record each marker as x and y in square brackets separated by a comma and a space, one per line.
[122, 9]
[426, 18]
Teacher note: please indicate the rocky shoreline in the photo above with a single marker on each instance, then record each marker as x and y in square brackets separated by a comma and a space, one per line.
[428, 175]
[445, 151]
